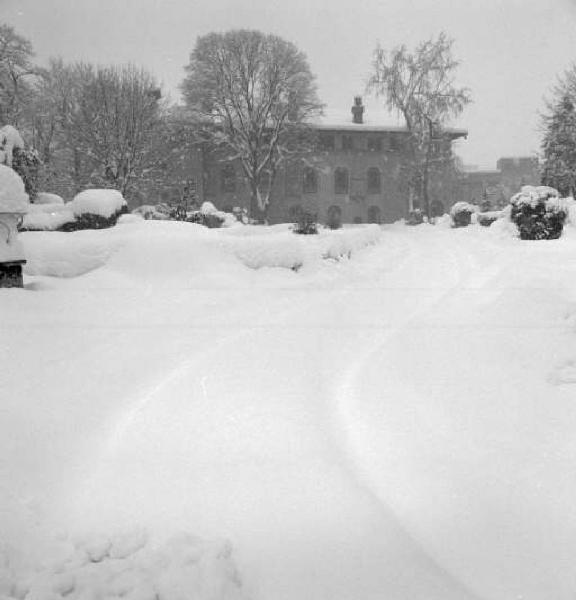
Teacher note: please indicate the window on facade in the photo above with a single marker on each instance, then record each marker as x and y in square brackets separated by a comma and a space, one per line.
[347, 142]
[341, 181]
[326, 141]
[310, 181]
[394, 142]
[357, 220]
[375, 144]
[374, 183]
[228, 178]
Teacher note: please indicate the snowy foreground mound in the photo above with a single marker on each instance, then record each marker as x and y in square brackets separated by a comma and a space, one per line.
[125, 566]
[283, 425]
[139, 248]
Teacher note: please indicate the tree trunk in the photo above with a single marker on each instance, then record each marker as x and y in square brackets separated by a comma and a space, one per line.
[256, 212]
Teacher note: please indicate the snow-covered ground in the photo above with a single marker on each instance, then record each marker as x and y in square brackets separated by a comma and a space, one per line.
[246, 413]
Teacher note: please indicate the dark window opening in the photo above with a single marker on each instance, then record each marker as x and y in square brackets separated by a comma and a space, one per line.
[374, 215]
[374, 182]
[326, 141]
[341, 181]
[310, 181]
[375, 144]
[347, 142]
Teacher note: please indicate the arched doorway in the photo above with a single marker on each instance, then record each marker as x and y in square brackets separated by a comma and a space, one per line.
[334, 217]
[374, 215]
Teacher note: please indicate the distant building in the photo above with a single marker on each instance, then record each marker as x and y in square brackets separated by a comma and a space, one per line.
[493, 188]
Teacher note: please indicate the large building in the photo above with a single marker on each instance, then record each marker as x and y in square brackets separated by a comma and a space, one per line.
[355, 176]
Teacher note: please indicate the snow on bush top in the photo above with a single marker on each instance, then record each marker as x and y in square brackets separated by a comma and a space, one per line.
[98, 202]
[47, 198]
[531, 196]
[208, 208]
[13, 197]
[463, 207]
[9, 139]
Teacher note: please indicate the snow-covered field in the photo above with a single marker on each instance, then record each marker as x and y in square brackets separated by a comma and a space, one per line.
[249, 414]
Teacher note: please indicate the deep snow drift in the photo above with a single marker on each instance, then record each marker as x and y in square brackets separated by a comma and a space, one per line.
[247, 413]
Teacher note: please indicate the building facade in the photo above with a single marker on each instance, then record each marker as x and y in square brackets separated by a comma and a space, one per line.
[356, 175]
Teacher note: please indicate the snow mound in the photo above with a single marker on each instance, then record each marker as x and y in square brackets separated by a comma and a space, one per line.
[13, 197]
[273, 250]
[228, 219]
[47, 217]
[186, 254]
[343, 242]
[57, 254]
[10, 138]
[104, 203]
[129, 566]
[48, 198]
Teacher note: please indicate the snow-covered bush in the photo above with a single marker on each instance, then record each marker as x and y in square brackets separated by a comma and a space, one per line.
[461, 214]
[13, 196]
[25, 162]
[151, 212]
[210, 220]
[10, 140]
[211, 217]
[486, 218]
[306, 224]
[538, 213]
[47, 217]
[415, 217]
[96, 209]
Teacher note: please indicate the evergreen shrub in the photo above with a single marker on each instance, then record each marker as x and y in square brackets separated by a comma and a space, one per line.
[538, 213]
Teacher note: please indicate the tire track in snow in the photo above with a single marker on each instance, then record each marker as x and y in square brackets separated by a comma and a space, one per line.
[348, 385]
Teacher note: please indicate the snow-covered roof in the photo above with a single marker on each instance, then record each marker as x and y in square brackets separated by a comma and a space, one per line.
[373, 121]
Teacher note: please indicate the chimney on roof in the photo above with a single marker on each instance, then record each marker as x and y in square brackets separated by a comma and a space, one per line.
[357, 110]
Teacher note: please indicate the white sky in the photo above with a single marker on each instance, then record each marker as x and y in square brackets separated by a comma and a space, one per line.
[510, 50]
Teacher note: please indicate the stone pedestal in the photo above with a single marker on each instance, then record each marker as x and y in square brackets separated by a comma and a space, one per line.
[11, 251]
[11, 274]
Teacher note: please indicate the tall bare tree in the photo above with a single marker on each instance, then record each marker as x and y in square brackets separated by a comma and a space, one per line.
[103, 123]
[16, 72]
[420, 87]
[255, 94]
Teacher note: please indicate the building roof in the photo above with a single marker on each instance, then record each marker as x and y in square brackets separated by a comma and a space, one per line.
[373, 121]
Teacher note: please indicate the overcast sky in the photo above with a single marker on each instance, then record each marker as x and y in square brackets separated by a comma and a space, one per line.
[510, 50]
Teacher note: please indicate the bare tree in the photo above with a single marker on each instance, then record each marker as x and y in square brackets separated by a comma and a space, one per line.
[420, 87]
[104, 123]
[255, 94]
[16, 70]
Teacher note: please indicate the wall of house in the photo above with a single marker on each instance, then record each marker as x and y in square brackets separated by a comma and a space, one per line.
[354, 151]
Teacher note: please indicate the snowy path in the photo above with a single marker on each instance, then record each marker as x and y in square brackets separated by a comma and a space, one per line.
[257, 452]
[398, 425]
